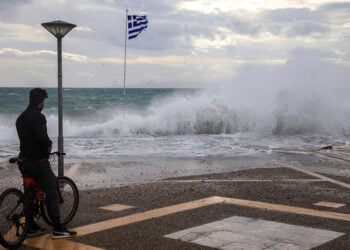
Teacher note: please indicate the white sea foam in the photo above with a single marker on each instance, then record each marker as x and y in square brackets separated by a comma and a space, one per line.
[234, 118]
[284, 109]
[281, 110]
[7, 129]
[201, 114]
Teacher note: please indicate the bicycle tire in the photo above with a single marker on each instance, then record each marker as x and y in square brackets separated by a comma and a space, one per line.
[69, 201]
[14, 225]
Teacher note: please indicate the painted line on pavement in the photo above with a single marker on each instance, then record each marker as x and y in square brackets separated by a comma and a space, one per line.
[335, 156]
[116, 207]
[322, 177]
[239, 180]
[329, 204]
[155, 213]
[287, 209]
[72, 170]
[45, 242]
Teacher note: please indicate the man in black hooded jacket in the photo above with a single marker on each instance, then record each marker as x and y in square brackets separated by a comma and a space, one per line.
[35, 148]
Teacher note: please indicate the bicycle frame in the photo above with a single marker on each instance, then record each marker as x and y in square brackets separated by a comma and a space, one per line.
[30, 183]
[10, 214]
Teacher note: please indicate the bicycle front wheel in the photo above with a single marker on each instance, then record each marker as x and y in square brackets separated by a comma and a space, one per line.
[13, 223]
[69, 201]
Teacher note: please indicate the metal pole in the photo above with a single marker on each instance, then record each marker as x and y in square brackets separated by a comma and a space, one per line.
[60, 108]
[126, 34]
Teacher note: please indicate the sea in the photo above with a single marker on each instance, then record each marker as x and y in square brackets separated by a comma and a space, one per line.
[103, 124]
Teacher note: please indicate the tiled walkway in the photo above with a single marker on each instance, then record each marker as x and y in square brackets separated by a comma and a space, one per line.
[247, 233]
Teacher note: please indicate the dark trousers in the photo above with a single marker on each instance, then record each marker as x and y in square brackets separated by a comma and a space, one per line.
[46, 179]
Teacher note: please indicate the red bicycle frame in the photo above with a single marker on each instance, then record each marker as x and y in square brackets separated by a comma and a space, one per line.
[29, 183]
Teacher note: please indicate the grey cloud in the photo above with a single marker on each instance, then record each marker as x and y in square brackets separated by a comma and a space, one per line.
[289, 22]
[306, 29]
[10, 9]
[291, 15]
[307, 54]
[243, 26]
[159, 36]
[296, 22]
[110, 26]
[10, 4]
[303, 66]
[175, 31]
[165, 35]
[149, 6]
[345, 6]
[195, 24]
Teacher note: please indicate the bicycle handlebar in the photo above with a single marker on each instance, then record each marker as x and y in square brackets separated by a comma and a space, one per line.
[13, 160]
[57, 153]
[16, 159]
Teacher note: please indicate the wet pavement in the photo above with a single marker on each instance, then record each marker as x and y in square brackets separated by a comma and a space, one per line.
[281, 201]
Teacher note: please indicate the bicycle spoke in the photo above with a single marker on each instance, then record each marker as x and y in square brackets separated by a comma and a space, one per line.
[13, 224]
[15, 231]
[69, 200]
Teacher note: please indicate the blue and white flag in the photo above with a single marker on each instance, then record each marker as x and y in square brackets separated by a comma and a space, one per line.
[136, 24]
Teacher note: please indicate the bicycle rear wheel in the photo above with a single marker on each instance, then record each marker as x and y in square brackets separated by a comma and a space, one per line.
[69, 201]
[13, 223]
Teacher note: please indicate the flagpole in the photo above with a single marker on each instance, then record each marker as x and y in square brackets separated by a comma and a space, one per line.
[126, 34]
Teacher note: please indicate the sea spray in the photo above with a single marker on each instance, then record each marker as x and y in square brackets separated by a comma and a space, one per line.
[282, 111]
[283, 108]
[306, 95]
[232, 119]
[177, 115]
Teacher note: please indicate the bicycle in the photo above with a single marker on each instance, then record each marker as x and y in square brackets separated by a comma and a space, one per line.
[14, 202]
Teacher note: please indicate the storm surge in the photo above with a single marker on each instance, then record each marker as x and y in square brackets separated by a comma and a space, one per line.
[177, 115]
[229, 120]
[276, 109]
[261, 105]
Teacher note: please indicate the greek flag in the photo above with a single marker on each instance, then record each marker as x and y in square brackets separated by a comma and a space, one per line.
[136, 24]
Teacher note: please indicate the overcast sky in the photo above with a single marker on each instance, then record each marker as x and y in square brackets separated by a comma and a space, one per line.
[188, 43]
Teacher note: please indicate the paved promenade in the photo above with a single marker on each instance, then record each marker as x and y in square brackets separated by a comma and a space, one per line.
[290, 206]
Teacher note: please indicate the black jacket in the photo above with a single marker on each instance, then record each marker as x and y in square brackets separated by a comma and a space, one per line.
[32, 133]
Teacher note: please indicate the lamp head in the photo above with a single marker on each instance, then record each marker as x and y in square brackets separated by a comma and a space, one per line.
[58, 28]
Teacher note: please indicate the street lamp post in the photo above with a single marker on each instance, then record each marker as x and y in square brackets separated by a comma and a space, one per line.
[59, 29]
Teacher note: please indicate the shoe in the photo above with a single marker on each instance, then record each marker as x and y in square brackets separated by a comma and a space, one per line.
[63, 233]
[36, 231]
